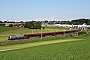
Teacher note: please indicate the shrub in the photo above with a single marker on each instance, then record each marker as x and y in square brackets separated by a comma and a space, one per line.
[72, 35]
[83, 32]
[10, 25]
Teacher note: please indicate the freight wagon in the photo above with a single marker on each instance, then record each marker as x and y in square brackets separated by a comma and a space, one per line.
[27, 36]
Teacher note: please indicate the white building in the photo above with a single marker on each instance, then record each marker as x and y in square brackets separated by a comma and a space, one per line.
[84, 26]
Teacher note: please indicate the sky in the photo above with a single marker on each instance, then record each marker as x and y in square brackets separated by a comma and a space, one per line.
[25, 10]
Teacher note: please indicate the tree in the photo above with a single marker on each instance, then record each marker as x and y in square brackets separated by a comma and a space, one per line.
[80, 21]
[10, 25]
[33, 25]
[0, 21]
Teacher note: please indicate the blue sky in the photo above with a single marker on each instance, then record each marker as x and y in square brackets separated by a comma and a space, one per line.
[18, 10]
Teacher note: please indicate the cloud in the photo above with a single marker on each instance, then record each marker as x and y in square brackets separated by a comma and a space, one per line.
[52, 18]
[42, 19]
[37, 19]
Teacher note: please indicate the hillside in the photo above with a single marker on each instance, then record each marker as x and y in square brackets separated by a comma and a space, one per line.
[73, 50]
[7, 31]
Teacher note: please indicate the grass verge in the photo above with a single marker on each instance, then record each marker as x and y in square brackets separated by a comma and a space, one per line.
[21, 46]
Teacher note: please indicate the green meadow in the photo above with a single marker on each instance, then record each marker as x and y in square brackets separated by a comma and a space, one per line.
[73, 50]
[54, 48]
[7, 31]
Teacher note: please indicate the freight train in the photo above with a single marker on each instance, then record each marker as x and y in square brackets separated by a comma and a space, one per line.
[27, 36]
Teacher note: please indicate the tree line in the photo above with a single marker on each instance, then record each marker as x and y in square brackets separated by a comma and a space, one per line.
[33, 25]
[37, 24]
[80, 21]
[74, 22]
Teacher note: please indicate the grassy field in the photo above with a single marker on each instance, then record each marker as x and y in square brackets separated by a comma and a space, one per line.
[7, 31]
[77, 50]
[38, 43]
[55, 48]
[4, 29]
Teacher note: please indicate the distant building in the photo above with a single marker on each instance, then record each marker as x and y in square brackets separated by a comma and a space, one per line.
[2, 24]
[7, 24]
[83, 26]
[18, 24]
